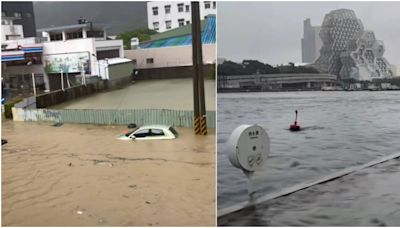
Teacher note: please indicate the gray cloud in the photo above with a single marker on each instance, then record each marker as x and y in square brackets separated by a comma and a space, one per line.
[271, 31]
[118, 16]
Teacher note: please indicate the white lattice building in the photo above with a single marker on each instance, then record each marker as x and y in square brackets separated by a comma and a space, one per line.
[348, 50]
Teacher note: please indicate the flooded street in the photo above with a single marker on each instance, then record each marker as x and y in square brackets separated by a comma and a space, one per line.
[81, 175]
[174, 94]
[369, 197]
[340, 130]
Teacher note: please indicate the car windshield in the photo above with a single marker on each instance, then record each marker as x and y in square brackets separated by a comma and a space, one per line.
[129, 133]
[173, 131]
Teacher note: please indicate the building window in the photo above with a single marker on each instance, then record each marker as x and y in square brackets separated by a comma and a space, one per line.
[28, 15]
[207, 5]
[17, 14]
[4, 22]
[3, 14]
[187, 22]
[167, 24]
[55, 36]
[187, 8]
[74, 35]
[108, 54]
[99, 34]
[149, 60]
[181, 22]
[167, 9]
[155, 10]
[13, 37]
[214, 5]
[180, 7]
[156, 25]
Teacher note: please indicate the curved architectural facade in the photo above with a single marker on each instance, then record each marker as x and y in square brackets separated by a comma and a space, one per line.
[348, 50]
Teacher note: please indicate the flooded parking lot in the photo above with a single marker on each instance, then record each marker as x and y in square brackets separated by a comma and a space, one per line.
[80, 175]
[174, 94]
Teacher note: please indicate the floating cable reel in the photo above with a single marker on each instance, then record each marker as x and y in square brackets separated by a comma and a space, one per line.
[248, 149]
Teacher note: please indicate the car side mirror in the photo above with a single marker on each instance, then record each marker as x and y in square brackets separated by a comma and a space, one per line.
[132, 137]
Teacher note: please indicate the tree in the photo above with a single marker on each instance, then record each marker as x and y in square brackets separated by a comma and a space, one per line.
[143, 34]
[249, 67]
[230, 68]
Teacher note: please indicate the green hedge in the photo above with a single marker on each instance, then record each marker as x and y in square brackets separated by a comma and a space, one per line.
[8, 107]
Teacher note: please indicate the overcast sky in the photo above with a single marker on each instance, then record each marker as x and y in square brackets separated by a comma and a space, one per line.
[117, 16]
[271, 31]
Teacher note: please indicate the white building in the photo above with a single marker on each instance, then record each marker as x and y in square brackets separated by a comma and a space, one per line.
[163, 16]
[78, 50]
[10, 31]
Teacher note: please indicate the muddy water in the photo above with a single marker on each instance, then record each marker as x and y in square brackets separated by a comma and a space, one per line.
[80, 175]
[369, 197]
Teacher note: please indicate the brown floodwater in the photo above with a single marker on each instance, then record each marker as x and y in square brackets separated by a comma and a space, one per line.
[81, 175]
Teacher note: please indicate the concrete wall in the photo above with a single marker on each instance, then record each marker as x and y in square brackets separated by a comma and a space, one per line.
[169, 56]
[59, 96]
[172, 72]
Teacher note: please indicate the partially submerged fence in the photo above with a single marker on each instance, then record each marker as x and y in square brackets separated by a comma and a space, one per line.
[112, 117]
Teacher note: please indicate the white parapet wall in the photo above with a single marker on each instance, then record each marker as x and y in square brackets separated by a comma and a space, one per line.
[169, 56]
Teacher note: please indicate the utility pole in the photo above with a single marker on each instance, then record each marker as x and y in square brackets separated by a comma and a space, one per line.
[200, 121]
[34, 84]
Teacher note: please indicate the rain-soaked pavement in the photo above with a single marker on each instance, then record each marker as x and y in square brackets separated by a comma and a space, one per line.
[369, 197]
[81, 175]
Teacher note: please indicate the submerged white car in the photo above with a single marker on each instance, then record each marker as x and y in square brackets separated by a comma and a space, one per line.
[151, 132]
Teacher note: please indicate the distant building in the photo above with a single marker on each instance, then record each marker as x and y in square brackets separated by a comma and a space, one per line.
[275, 82]
[394, 69]
[310, 43]
[163, 16]
[22, 14]
[21, 51]
[221, 60]
[169, 54]
[174, 47]
[9, 30]
[349, 51]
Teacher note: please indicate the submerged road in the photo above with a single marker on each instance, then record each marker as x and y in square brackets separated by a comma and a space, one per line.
[81, 175]
[369, 197]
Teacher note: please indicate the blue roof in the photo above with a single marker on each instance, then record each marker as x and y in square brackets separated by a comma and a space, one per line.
[208, 36]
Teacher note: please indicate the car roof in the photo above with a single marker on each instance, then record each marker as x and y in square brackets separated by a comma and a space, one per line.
[155, 126]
